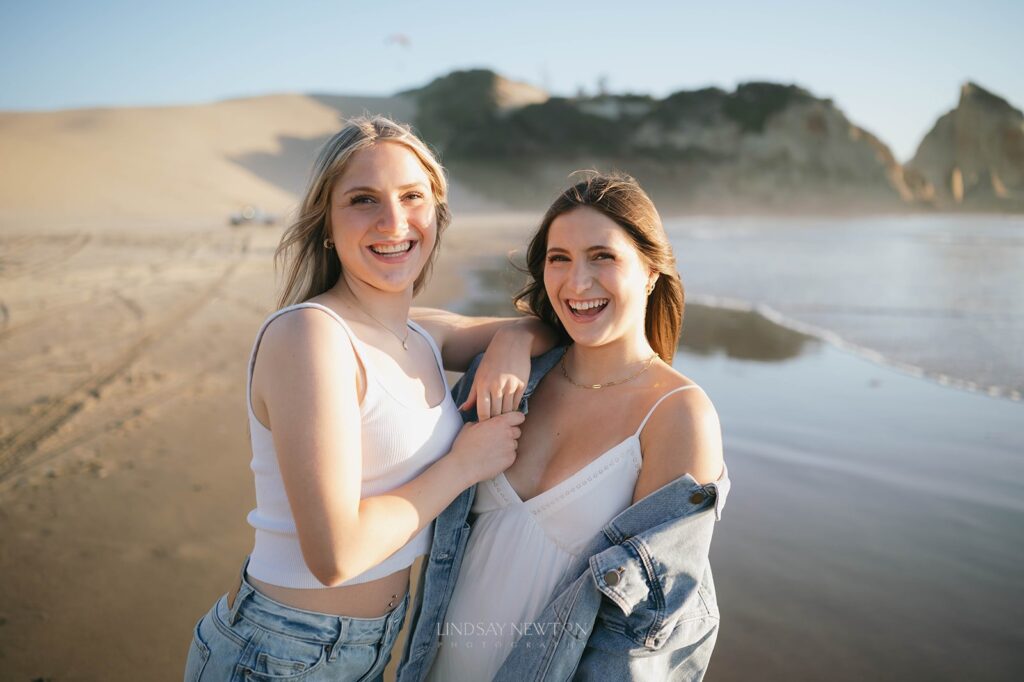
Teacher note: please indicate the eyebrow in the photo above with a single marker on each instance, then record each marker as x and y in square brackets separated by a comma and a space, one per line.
[365, 188]
[589, 249]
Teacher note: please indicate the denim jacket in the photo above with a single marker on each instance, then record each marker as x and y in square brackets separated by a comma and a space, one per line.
[638, 604]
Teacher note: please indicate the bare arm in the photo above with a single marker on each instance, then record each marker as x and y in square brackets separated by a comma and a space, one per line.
[308, 382]
[462, 338]
[510, 342]
[682, 437]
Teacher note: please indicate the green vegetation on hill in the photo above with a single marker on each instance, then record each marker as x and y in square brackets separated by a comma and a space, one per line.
[461, 104]
[754, 103]
[460, 114]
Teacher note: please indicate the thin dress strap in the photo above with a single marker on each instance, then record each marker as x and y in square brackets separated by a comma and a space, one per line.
[259, 337]
[651, 411]
[433, 346]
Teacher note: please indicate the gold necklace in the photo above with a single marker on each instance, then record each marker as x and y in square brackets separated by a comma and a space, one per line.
[647, 366]
[404, 341]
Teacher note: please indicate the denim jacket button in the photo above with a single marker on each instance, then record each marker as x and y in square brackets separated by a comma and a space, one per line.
[611, 578]
[697, 498]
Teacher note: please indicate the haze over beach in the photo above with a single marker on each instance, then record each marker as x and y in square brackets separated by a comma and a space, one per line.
[850, 233]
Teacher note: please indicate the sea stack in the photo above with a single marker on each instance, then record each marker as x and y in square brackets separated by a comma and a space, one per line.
[974, 155]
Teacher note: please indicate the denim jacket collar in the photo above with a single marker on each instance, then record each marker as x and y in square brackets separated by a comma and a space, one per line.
[539, 367]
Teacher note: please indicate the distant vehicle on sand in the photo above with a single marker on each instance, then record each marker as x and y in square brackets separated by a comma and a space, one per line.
[250, 215]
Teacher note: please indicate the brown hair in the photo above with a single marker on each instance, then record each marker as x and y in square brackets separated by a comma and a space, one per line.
[310, 268]
[620, 198]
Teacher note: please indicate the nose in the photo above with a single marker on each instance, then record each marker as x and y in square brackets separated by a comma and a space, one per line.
[580, 277]
[392, 218]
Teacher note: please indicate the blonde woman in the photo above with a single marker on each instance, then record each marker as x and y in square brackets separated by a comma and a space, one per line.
[357, 444]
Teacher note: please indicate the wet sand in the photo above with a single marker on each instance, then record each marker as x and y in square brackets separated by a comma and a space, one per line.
[874, 529]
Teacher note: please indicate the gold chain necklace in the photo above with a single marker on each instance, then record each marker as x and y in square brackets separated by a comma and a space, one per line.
[404, 341]
[647, 366]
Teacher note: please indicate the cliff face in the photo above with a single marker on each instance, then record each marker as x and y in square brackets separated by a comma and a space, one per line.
[762, 145]
[973, 156]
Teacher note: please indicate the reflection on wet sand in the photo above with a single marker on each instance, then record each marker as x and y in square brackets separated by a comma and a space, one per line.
[741, 334]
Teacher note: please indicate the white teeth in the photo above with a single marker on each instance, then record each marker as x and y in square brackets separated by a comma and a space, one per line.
[587, 305]
[400, 247]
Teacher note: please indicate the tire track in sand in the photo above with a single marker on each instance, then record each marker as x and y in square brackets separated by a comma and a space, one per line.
[17, 448]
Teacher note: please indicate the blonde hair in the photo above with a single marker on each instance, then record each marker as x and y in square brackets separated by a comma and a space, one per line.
[311, 269]
[622, 199]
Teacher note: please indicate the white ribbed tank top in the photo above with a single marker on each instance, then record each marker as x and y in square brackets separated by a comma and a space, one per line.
[399, 442]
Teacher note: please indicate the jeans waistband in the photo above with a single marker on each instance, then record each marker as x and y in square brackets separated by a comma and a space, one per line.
[322, 628]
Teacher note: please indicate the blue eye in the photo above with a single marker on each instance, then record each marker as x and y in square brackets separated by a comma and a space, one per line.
[362, 199]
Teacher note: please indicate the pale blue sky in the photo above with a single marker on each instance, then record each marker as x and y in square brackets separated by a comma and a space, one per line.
[893, 66]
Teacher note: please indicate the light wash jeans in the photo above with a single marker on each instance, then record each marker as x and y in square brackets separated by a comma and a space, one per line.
[260, 639]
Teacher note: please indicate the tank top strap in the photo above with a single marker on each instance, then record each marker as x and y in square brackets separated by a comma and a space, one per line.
[433, 346]
[356, 343]
[659, 401]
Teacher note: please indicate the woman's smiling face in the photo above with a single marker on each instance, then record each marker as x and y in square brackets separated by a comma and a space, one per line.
[383, 219]
[595, 278]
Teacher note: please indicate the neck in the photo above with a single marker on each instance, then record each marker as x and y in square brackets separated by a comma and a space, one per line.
[391, 309]
[609, 362]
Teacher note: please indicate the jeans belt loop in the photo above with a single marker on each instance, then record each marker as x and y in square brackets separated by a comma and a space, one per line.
[343, 626]
[242, 591]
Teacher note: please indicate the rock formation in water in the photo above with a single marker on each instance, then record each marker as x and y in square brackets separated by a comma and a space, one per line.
[973, 156]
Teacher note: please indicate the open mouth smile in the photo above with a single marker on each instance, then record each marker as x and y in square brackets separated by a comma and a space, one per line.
[392, 251]
[585, 310]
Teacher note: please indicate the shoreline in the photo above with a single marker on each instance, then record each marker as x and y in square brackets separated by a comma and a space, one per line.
[769, 313]
[836, 340]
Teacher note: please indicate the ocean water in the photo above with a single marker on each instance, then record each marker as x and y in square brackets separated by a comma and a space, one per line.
[938, 295]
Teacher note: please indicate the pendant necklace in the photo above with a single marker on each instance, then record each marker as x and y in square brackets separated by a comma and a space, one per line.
[404, 341]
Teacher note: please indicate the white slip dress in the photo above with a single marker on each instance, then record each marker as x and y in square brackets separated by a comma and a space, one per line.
[519, 551]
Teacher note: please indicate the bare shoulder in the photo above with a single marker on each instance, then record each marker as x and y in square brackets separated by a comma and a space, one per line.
[304, 334]
[683, 435]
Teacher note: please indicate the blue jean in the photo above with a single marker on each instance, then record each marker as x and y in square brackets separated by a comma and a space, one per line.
[260, 639]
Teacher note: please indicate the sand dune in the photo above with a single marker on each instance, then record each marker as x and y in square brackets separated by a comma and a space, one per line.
[93, 167]
[171, 167]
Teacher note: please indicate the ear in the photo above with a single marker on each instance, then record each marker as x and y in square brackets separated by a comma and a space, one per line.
[651, 281]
